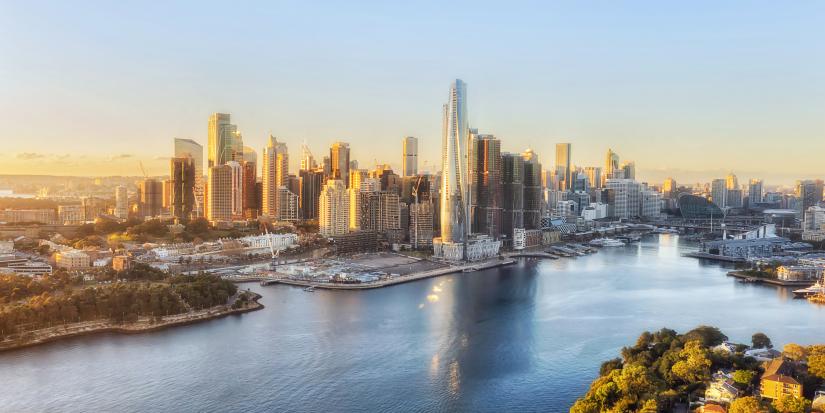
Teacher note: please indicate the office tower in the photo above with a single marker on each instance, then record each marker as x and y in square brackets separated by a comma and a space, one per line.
[719, 192]
[167, 194]
[353, 164]
[121, 202]
[650, 203]
[219, 193]
[236, 203]
[594, 176]
[333, 205]
[629, 170]
[273, 175]
[755, 192]
[669, 188]
[512, 170]
[339, 161]
[311, 183]
[225, 142]
[485, 181]
[809, 193]
[611, 164]
[421, 224]
[390, 181]
[731, 182]
[626, 197]
[409, 156]
[454, 185]
[150, 199]
[92, 208]
[288, 205]
[183, 193]
[194, 150]
[733, 198]
[327, 164]
[532, 189]
[563, 165]
[250, 195]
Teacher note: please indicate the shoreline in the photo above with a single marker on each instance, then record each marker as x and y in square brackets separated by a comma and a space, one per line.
[143, 325]
[772, 281]
[397, 280]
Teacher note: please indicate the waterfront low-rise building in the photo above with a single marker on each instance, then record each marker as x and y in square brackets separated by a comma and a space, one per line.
[798, 272]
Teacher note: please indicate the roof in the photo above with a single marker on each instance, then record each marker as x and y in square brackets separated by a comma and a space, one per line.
[781, 378]
[777, 366]
[713, 408]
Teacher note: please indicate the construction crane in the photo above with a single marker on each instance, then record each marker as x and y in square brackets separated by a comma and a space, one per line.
[273, 265]
[142, 170]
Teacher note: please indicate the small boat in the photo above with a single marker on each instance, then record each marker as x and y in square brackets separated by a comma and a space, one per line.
[606, 242]
[817, 289]
[310, 289]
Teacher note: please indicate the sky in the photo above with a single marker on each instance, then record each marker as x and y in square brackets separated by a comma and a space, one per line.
[685, 89]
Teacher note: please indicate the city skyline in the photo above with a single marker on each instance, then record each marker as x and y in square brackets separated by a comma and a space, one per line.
[728, 88]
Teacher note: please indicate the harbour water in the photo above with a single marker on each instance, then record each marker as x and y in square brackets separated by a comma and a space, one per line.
[527, 337]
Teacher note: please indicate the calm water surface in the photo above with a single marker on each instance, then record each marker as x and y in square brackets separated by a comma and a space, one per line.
[528, 337]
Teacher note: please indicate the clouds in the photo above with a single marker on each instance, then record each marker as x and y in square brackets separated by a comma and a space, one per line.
[27, 156]
[121, 157]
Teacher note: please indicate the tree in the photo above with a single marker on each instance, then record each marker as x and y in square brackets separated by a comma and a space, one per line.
[791, 404]
[795, 352]
[748, 404]
[760, 340]
[744, 377]
[694, 363]
[816, 365]
[709, 336]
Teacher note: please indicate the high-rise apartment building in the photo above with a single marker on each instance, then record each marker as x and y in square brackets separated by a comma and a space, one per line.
[454, 185]
[755, 192]
[288, 205]
[719, 192]
[250, 194]
[809, 193]
[485, 181]
[379, 211]
[219, 193]
[333, 207]
[409, 156]
[563, 165]
[224, 141]
[532, 189]
[512, 177]
[669, 188]
[194, 150]
[237, 198]
[150, 198]
[339, 161]
[183, 183]
[121, 202]
[273, 175]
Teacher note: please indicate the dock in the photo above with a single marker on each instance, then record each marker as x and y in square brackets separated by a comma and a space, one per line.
[714, 257]
[773, 281]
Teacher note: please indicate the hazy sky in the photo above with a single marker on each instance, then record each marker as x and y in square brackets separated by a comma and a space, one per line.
[691, 89]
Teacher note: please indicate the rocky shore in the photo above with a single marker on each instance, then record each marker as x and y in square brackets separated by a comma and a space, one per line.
[142, 325]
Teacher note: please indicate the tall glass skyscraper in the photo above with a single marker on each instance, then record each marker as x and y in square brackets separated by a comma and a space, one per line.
[563, 165]
[454, 179]
[191, 149]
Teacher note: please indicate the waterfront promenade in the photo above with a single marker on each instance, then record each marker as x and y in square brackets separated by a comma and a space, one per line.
[400, 279]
